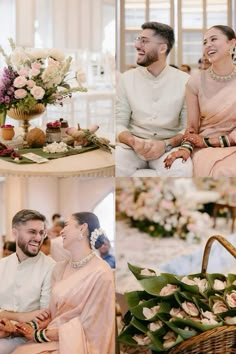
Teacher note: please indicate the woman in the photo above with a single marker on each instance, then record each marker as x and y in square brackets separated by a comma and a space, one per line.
[82, 302]
[211, 104]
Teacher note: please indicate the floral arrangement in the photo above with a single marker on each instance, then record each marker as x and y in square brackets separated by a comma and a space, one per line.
[34, 76]
[155, 206]
[172, 309]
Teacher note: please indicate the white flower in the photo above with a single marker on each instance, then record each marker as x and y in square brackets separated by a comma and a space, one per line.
[141, 339]
[168, 290]
[146, 271]
[219, 284]
[190, 308]
[154, 326]
[150, 312]
[55, 147]
[230, 320]
[56, 54]
[94, 236]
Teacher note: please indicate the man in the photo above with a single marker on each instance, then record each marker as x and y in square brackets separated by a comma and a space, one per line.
[25, 276]
[104, 252]
[150, 107]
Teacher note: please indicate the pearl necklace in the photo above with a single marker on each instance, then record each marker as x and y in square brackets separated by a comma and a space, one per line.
[216, 77]
[83, 261]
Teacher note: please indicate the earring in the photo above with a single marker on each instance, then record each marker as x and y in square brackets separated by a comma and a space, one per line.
[81, 236]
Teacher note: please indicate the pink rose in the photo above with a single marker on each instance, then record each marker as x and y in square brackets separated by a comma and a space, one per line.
[20, 93]
[231, 299]
[190, 308]
[38, 92]
[168, 289]
[30, 83]
[34, 72]
[20, 81]
[154, 326]
[219, 306]
[23, 72]
[219, 284]
[36, 65]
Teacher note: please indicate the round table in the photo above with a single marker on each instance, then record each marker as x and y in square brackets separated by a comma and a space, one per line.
[93, 163]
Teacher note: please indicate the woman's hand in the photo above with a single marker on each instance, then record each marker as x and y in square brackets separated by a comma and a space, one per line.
[25, 330]
[181, 153]
[195, 139]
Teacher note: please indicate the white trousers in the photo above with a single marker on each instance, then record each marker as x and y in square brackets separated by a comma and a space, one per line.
[8, 345]
[128, 163]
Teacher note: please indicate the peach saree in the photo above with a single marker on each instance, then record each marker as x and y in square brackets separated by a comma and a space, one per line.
[217, 104]
[83, 310]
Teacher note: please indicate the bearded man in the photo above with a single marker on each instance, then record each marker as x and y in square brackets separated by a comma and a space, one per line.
[25, 277]
[150, 108]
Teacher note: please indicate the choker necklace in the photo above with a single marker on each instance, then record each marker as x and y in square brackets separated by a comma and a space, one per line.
[221, 78]
[83, 261]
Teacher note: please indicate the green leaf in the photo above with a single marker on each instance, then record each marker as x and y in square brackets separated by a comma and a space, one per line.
[137, 272]
[133, 298]
[137, 311]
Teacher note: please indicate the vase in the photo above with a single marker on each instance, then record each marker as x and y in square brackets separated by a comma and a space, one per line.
[26, 116]
[7, 133]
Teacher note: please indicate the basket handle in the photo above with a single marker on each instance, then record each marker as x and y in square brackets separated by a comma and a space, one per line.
[226, 244]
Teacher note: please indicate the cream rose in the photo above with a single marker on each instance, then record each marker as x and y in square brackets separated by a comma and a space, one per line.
[154, 326]
[141, 339]
[230, 320]
[150, 312]
[56, 54]
[169, 339]
[177, 312]
[38, 92]
[190, 308]
[219, 284]
[231, 299]
[147, 272]
[168, 290]
[188, 281]
[219, 306]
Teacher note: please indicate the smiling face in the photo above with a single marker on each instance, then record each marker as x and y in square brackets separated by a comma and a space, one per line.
[216, 45]
[70, 233]
[149, 47]
[29, 238]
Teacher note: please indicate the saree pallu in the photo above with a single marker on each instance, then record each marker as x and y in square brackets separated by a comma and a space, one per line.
[217, 104]
[83, 311]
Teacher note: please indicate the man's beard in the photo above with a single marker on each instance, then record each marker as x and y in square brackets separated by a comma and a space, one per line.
[24, 249]
[148, 59]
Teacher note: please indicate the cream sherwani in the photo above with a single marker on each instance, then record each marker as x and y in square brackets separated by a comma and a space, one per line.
[25, 287]
[149, 107]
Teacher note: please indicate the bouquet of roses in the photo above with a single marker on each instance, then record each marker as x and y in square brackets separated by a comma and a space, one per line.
[154, 206]
[172, 309]
[35, 76]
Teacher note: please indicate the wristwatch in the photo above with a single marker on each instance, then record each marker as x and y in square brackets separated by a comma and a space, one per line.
[168, 146]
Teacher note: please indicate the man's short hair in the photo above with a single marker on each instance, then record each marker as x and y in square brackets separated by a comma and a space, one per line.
[164, 31]
[26, 215]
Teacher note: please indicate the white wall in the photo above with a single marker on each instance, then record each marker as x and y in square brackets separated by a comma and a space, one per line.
[50, 195]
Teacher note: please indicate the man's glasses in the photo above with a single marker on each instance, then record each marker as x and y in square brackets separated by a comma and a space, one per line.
[143, 41]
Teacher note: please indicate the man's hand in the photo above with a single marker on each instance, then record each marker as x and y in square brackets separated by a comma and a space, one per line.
[147, 149]
[6, 328]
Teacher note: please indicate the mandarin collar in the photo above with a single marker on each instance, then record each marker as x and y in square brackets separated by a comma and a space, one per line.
[152, 77]
[29, 260]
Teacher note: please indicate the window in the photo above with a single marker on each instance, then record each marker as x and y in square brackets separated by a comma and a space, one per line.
[105, 212]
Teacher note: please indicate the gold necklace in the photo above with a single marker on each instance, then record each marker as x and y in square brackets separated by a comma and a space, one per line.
[221, 78]
[83, 261]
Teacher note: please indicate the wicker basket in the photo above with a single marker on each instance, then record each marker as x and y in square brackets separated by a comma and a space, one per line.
[219, 340]
[19, 114]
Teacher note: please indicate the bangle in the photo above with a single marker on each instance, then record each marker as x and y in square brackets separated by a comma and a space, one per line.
[225, 140]
[33, 324]
[187, 145]
[185, 148]
[221, 141]
[207, 142]
[40, 336]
